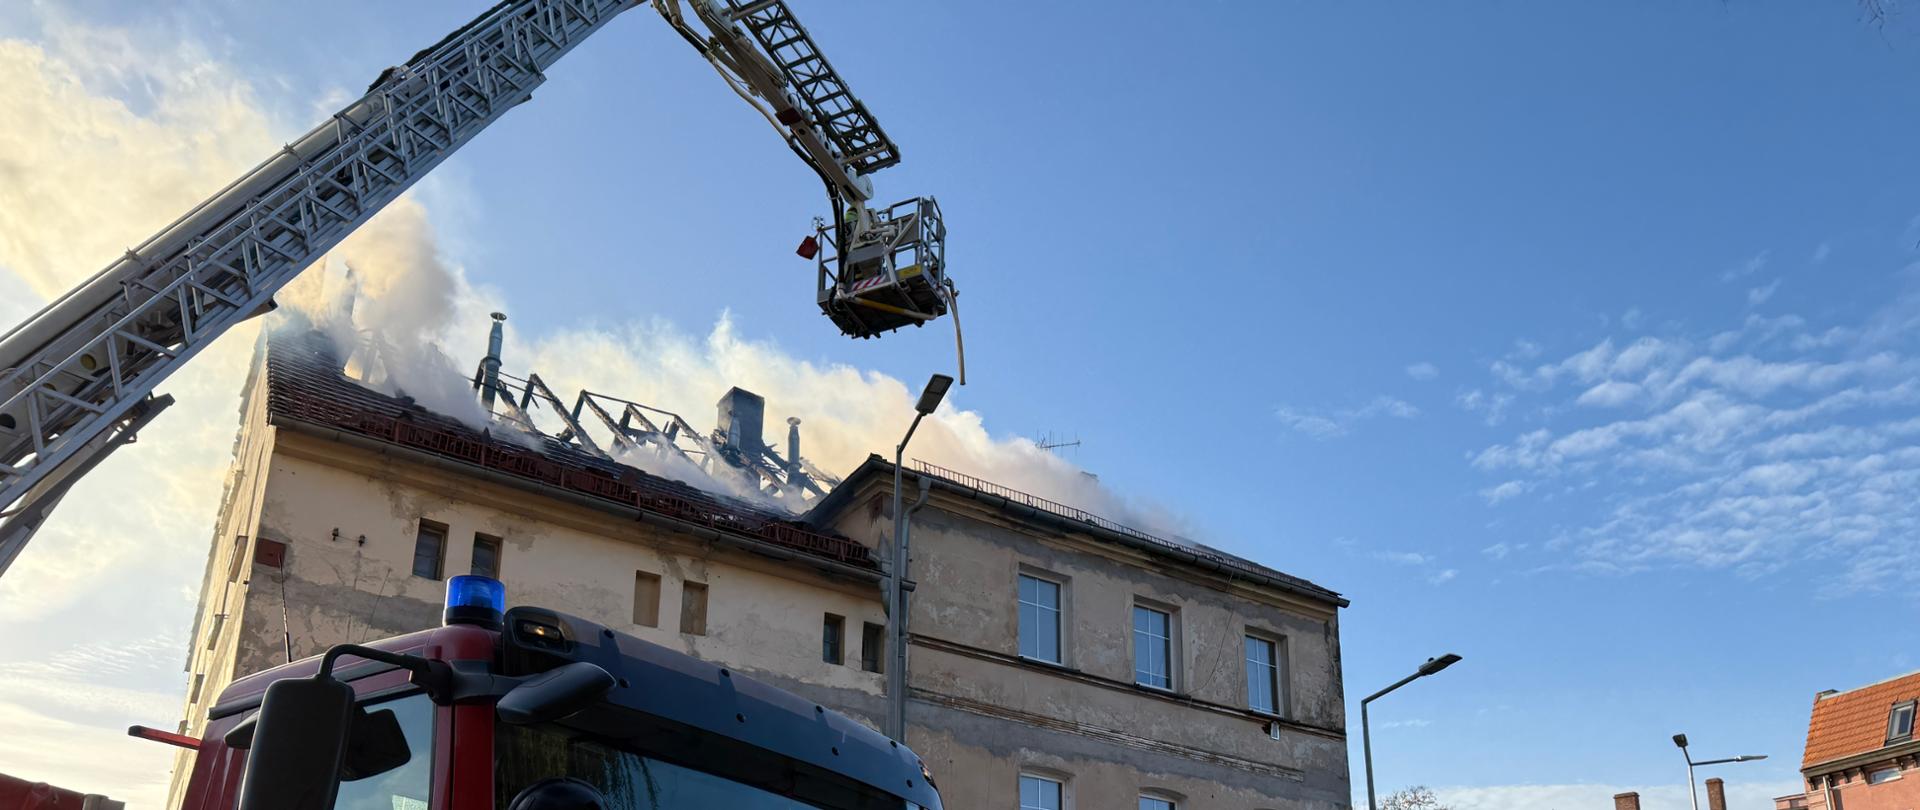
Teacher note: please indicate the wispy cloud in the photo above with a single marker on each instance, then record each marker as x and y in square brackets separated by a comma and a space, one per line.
[1600, 796]
[1331, 424]
[1760, 295]
[1821, 252]
[1748, 449]
[1423, 371]
[1753, 264]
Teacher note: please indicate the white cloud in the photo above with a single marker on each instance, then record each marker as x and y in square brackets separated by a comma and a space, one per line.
[1492, 407]
[1443, 577]
[1503, 492]
[1753, 264]
[1609, 394]
[1403, 557]
[1423, 371]
[1336, 423]
[1633, 318]
[1759, 295]
[1792, 450]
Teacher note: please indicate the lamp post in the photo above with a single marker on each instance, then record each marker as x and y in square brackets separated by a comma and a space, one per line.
[1681, 740]
[1432, 666]
[897, 572]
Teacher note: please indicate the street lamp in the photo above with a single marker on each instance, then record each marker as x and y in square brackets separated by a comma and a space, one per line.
[1681, 740]
[930, 397]
[1432, 666]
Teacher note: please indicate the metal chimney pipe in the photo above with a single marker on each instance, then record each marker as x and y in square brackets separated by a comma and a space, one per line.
[793, 447]
[490, 379]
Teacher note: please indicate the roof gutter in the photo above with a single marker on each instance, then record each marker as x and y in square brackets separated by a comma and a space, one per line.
[1862, 759]
[1044, 517]
[708, 533]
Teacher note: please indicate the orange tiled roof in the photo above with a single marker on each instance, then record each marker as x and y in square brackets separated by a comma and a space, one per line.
[1855, 722]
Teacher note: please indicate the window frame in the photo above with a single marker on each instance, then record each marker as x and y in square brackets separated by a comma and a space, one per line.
[1059, 610]
[1278, 644]
[499, 546]
[833, 639]
[1172, 655]
[1165, 800]
[1893, 714]
[420, 529]
[1059, 783]
[873, 647]
[1886, 775]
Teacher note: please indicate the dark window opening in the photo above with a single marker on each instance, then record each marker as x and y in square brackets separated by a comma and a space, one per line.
[833, 639]
[429, 549]
[873, 646]
[1900, 722]
[486, 556]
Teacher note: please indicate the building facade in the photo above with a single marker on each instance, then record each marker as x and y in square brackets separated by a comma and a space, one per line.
[1861, 752]
[346, 510]
[1060, 661]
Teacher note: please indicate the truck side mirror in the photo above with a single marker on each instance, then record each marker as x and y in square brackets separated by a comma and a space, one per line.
[554, 694]
[299, 743]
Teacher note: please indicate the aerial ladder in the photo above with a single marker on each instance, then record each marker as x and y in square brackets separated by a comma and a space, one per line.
[77, 379]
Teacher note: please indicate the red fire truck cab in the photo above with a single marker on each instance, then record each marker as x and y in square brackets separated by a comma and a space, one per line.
[532, 708]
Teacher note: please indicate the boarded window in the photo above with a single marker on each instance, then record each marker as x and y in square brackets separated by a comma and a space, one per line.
[646, 599]
[429, 549]
[833, 639]
[693, 608]
[873, 646]
[486, 556]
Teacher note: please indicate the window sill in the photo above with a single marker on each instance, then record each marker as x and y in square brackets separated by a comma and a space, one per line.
[1045, 663]
[1165, 690]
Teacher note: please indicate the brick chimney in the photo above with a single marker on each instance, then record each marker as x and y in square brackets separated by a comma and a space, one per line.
[1716, 794]
[1626, 801]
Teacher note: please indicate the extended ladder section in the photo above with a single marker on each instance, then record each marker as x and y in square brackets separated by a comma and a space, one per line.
[76, 377]
[881, 269]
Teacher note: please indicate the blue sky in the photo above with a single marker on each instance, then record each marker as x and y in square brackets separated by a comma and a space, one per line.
[1531, 327]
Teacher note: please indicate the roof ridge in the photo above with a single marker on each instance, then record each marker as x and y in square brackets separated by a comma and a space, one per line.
[1882, 682]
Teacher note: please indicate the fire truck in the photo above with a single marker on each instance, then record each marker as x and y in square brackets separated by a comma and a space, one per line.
[530, 709]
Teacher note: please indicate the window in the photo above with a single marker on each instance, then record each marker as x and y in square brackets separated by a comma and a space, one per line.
[429, 549]
[693, 608]
[1152, 647]
[873, 646]
[1900, 722]
[646, 599]
[833, 634]
[1039, 619]
[410, 785]
[1039, 793]
[524, 755]
[1883, 775]
[1155, 803]
[1263, 676]
[486, 556]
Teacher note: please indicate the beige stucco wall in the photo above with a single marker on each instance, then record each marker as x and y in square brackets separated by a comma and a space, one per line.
[349, 518]
[981, 715]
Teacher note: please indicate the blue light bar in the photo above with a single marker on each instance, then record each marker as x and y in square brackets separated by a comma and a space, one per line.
[475, 600]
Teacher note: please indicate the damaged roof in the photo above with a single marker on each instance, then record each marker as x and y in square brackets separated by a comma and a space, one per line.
[1035, 509]
[306, 384]
[1855, 722]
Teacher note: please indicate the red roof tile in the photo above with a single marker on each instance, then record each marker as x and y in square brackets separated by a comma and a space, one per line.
[1855, 722]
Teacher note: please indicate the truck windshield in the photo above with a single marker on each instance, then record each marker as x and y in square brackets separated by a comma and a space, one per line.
[527, 754]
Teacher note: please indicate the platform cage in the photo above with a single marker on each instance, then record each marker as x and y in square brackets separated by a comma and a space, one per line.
[893, 275]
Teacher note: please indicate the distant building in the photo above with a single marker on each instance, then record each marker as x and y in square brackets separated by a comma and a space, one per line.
[1861, 751]
[1057, 660]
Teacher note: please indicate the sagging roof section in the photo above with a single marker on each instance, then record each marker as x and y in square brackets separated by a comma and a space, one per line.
[305, 383]
[1034, 509]
[1855, 722]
